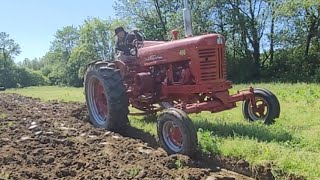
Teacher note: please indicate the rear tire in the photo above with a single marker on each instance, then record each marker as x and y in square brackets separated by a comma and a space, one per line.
[268, 107]
[177, 135]
[106, 97]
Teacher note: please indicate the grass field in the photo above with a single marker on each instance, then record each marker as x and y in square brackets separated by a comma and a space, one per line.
[292, 144]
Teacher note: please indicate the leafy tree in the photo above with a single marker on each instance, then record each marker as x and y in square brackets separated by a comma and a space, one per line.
[265, 39]
[96, 34]
[34, 64]
[157, 18]
[65, 41]
[8, 48]
[305, 16]
[55, 61]
[96, 43]
[73, 48]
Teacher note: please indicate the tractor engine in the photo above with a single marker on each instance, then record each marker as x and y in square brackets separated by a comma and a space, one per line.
[144, 83]
[187, 70]
[191, 61]
[150, 82]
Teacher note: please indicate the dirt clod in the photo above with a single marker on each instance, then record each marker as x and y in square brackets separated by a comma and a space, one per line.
[55, 140]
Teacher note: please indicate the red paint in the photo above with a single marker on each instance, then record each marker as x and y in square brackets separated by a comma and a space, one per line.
[176, 136]
[190, 71]
[100, 99]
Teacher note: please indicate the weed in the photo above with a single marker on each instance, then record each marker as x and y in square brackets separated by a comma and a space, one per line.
[134, 171]
[5, 175]
[178, 164]
[3, 115]
[11, 124]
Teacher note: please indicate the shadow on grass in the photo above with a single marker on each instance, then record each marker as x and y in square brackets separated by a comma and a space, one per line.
[152, 118]
[253, 130]
[136, 133]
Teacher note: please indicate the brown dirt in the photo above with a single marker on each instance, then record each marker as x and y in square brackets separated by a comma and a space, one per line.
[54, 140]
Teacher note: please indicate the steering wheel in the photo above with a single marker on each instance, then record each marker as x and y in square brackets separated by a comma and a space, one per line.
[134, 40]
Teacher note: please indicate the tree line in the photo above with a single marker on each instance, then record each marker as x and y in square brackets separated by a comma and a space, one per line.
[266, 40]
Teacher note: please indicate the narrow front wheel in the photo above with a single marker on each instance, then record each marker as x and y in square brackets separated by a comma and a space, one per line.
[266, 107]
[176, 132]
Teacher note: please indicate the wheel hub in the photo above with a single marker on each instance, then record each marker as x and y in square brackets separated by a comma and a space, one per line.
[176, 136]
[172, 136]
[97, 100]
[260, 110]
[100, 99]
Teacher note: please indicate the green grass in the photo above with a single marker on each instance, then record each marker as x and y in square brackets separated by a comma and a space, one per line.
[292, 144]
[47, 93]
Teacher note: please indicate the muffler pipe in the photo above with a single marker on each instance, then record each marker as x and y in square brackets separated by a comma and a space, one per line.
[187, 18]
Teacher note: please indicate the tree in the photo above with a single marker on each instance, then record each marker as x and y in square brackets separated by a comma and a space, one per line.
[73, 48]
[97, 34]
[156, 18]
[65, 41]
[34, 64]
[305, 16]
[96, 43]
[8, 49]
[249, 20]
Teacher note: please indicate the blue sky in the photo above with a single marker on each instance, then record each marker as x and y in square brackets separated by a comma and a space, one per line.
[33, 23]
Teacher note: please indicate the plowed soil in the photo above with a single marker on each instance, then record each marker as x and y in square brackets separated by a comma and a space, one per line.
[55, 140]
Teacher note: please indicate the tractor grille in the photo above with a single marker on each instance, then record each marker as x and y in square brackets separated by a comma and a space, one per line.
[223, 65]
[212, 64]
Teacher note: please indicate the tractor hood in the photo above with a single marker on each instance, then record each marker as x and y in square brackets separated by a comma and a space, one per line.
[160, 52]
[152, 43]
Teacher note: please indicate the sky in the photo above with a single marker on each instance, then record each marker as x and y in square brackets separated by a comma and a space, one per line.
[33, 23]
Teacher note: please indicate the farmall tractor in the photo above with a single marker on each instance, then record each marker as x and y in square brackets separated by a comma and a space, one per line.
[176, 77]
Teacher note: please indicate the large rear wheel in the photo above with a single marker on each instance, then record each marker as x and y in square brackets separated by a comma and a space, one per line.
[176, 132]
[106, 97]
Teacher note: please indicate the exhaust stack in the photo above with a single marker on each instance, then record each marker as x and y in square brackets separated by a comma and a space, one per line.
[187, 18]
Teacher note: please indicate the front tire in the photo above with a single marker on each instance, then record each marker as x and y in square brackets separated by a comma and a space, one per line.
[268, 107]
[106, 97]
[177, 135]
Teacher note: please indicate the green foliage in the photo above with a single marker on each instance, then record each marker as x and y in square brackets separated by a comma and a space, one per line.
[12, 75]
[34, 64]
[178, 164]
[240, 70]
[73, 48]
[294, 66]
[8, 48]
[260, 35]
[65, 41]
[157, 18]
[207, 142]
[21, 77]
[265, 40]
[3, 115]
[134, 171]
[5, 175]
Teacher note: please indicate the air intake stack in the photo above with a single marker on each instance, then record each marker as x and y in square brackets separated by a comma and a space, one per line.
[187, 18]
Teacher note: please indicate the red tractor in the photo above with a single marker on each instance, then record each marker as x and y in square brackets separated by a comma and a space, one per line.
[176, 77]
